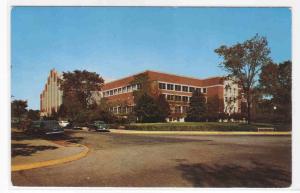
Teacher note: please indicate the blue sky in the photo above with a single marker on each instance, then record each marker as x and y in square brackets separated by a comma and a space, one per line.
[119, 41]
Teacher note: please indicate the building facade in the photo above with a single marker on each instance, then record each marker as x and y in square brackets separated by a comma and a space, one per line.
[176, 89]
[51, 96]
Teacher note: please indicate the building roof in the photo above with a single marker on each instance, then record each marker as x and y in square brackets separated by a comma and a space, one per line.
[166, 77]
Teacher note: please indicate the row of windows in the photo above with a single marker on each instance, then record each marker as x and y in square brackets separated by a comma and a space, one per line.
[121, 110]
[170, 97]
[177, 87]
[125, 89]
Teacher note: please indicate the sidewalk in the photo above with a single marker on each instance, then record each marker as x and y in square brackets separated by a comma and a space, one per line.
[121, 131]
[28, 152]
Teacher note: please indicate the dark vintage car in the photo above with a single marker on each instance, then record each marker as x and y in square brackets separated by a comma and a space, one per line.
[98, 126]
[45, 127]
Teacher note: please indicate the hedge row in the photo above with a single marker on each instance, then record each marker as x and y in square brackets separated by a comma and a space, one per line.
[201, 127]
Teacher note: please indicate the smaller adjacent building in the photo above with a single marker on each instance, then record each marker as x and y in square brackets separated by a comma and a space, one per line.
[51, 96]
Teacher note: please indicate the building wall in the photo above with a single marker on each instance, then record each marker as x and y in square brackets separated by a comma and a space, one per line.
[51, 96]
[117, 91]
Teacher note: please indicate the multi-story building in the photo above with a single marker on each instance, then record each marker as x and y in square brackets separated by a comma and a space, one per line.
[51, 96]
[177, 90]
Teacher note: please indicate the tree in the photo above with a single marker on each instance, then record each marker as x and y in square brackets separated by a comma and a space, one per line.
[18, 109]
[214, 107]
[197, 109]
[33, 114]
[78, 89]
[148, 96]
[276, 83]
[244, 61]
[147, 109]
[81, 84]
[163, 108]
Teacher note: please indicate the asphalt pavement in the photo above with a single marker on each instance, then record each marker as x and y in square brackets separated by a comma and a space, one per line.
[127, 160]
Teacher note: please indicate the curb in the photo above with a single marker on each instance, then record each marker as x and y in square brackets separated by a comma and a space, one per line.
[51, 162]
[202, 132]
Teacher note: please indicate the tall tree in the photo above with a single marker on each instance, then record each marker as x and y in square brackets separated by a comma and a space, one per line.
[244, 61]
[276, 83]
[148, 96]
[81, 84]
[147, 110]
[197, 109]
[214, 107]
[163, 107]
[18, 109]
[78, 89]
[33, 114]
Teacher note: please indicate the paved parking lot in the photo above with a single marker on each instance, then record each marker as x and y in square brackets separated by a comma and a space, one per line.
[121, 160]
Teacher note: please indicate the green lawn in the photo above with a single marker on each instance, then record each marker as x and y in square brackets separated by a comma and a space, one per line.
[202, 126]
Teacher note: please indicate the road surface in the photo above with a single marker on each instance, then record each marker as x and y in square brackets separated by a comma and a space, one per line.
[122, 160]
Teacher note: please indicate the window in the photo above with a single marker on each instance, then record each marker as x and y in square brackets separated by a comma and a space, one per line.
[192, 89]
[163, 95]
[177, 98]
[184, 88]
[111, 92]
[198, 90]
[124, 89]
[123, 110]
[184, 98]
[107, 93]
[225, 99]
[184, 109]
[170, 86]
[134, 87]
[178, 109]
[204, 90]
[119, 90]
[162, 86]
[170, 97]
[115, 91]
[177, 87]
[129, 88]
[139, 86]
[119, 110]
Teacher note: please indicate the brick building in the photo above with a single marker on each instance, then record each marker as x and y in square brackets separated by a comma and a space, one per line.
[177, 89]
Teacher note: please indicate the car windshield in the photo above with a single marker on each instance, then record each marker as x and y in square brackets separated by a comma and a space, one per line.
[99, 122]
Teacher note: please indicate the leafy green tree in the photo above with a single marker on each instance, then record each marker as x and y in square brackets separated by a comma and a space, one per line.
[163, 108]
[18, 109]
[197, 109]
[214, 107]
[276, 83]
[81, 84]
[143, 86]
[244, 61]
[33, 114]
[146, 109]
[78, 88]
[159, 108]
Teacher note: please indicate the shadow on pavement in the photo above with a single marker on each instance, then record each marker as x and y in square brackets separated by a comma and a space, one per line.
[261, 175]
[25, 149]
[28, 150]
[67, 137]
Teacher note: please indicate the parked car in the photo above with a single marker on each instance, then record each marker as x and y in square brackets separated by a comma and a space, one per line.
[98, 126]
[45, 127]
[63, 123]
